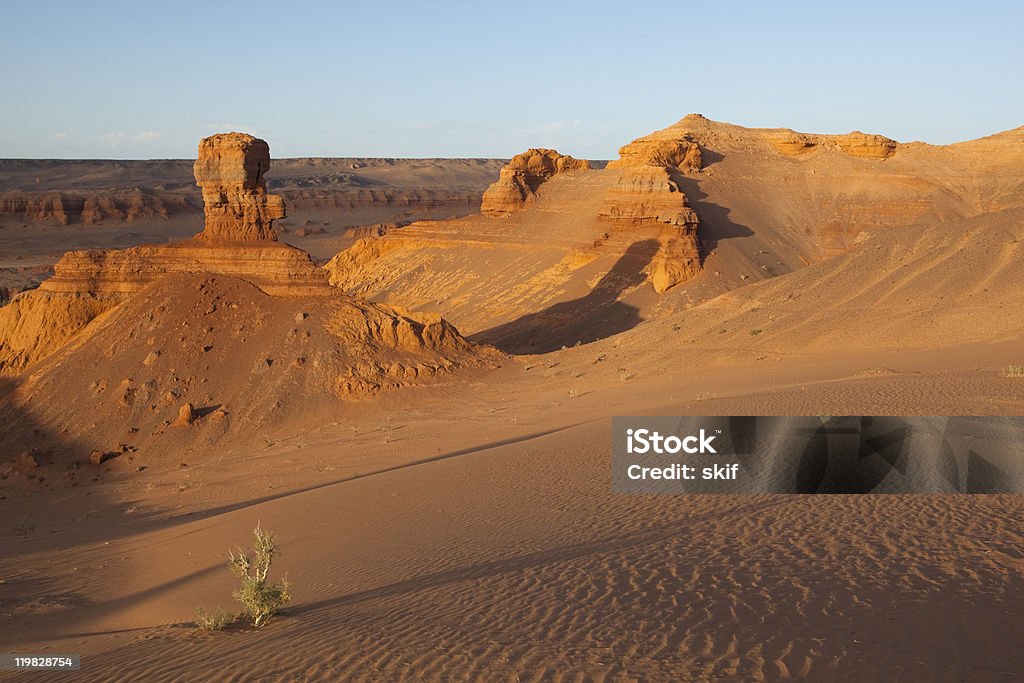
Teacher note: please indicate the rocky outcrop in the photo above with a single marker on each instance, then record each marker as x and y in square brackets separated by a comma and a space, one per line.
[522, 177]
[855, 144]
[792, 143]
[230, 172]
[238, 240]
[646, 190]
[35, 324]
[276, 268]
[680, 152]
[866, 145]
[209, 338]
[677, 260]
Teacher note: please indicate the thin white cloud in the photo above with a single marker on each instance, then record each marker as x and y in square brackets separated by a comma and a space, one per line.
[116, 138]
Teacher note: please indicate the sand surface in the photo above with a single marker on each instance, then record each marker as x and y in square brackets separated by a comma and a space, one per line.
[468, 532]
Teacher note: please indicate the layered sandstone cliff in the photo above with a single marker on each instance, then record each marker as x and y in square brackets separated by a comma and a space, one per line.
[856, 144]
[645, 190]
[522, 177]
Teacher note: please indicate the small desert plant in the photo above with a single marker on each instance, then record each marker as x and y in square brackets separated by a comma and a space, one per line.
[260, 598]
[1013, 371]
[213, 620]
[754, 333]
[24, 527]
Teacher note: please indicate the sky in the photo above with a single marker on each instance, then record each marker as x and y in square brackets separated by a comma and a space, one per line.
[139, 80]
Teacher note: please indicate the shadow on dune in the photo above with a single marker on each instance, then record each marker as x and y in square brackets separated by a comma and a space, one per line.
[597, 315]
[543, 558]
[715, 224]
[51, 496]
[33, 464]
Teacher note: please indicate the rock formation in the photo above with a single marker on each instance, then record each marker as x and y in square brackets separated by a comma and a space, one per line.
[646, 190]
[230, 171]
[238, 240]
[522, 177]
[855, 144]
[866, 145]
[69, 208]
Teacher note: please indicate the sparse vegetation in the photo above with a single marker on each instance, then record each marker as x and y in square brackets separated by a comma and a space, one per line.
[214, 620]
[24, 527]
[754, 333]
[1016, 371]
[260, 598]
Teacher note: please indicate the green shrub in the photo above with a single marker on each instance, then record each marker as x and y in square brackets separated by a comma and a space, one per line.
[214, 620]
[261, 598]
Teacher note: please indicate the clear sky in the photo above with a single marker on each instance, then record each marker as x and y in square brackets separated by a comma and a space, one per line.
[451, 79]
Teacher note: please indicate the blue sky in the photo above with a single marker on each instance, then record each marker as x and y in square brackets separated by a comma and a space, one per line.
[451, 79]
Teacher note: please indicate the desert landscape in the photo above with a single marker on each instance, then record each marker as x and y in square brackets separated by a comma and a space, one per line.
[406, 369]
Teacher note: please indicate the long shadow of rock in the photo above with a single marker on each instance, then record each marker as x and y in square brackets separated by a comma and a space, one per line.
[715, 223]
[595, 316]
[33, 464]
[48, 494]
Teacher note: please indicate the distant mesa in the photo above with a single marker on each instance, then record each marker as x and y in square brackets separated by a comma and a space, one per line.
[64, 208]
[521, 178]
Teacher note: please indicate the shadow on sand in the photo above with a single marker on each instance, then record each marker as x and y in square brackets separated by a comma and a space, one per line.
[597, 315]
[715, 223]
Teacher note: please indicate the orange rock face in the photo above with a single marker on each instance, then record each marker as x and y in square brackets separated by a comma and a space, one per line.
[855, 144]
[230, 171]
[520, 179]
[654, 150]
[866, 145]
[646, 190]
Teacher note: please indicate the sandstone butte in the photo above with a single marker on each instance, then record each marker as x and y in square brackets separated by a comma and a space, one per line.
[238, 241]
[645, 189]
[521, 178]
